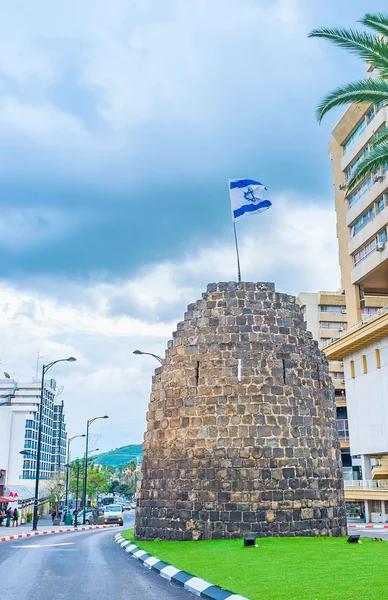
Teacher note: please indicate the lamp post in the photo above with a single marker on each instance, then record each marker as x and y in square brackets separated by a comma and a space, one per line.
[45, 368]
[68, 468]
[76, 496]
[149, 354]
[88, 423]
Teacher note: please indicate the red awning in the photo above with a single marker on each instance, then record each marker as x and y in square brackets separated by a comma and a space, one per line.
[4, 499]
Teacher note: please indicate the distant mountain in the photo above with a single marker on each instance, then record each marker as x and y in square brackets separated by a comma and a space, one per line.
[119, 456]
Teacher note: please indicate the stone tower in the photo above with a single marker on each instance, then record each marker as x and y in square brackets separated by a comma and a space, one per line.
[241, 435]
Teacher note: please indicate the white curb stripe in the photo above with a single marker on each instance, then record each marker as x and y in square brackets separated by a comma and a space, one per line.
[196, 585]
[151, 561]
[169, 572]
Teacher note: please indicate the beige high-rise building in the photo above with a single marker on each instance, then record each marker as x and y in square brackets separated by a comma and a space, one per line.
[362, 213]
[362, 221]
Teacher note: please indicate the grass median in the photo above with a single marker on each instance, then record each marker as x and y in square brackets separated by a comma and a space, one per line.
[283, 568]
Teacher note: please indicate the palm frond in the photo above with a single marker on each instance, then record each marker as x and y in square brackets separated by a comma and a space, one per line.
[380, 136]
[370, 90]
[377, 158]
[377, 22]
[364, 45]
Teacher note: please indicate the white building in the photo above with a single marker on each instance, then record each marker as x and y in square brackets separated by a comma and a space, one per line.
[364, 351]
[19, 415]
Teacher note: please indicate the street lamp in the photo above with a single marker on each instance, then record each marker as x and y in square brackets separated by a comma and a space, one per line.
[45, 368]
[68, 468]
[149, 354]
[88, 423]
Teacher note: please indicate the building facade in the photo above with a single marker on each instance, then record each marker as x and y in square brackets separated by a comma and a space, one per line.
[362, 221]
[362, 213]
[19, 415]
[326, 317]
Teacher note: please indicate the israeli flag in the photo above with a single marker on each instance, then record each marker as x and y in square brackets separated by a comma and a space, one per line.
[246, 197]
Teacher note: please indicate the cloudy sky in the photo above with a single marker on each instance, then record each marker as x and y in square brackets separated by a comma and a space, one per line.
[120, 124]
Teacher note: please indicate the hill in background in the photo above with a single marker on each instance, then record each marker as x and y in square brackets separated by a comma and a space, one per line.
[119, 456]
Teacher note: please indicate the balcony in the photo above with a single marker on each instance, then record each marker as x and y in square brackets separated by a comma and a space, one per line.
[358, 490]
[339, 384]
[380, 470]
[363, 484]
[368, 231]
[377, 189]
[369, 264]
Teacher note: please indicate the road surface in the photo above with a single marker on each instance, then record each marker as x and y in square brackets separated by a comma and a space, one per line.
[371, 533]
[79, 566]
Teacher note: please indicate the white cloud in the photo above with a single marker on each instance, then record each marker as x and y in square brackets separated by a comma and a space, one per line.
[293, 244]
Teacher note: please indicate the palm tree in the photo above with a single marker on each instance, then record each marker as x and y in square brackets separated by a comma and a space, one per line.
[373, 48]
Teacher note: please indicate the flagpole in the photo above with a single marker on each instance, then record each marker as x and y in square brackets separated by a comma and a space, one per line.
[237, 252]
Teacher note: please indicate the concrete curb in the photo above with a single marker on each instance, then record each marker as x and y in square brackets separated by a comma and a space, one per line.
[367, 526]
[21, 536]
[192, 584]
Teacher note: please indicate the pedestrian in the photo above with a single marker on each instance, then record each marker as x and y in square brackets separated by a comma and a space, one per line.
[15, 518]
[53, 515]
[8, 517]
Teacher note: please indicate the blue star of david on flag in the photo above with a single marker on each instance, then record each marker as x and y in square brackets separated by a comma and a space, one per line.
[247, 197]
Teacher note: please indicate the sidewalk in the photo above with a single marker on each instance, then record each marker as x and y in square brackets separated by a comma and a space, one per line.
[44, 524]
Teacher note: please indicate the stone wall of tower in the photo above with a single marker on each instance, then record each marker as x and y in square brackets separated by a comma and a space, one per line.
[241, 429]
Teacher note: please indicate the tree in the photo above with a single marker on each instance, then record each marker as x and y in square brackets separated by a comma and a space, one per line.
[55, 487]
[372, 48]
[132, 466]
[97, 483]
[97, 480]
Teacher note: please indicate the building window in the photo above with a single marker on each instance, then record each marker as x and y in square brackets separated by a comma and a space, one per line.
[339, 375]
[357, 131]
[364, 365]
[377, 358]
[351, 169]
[375, 506]
[352, 372]
[362, 221]
[359, 192]
[363, 253]
[380, 205]
[332, 325]
[382, 235]
[369, 310]
[332, 308]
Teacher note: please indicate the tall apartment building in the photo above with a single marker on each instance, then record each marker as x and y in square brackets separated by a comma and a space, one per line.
[325, 316]
[362, 213]
[19, 413]
[362, 221]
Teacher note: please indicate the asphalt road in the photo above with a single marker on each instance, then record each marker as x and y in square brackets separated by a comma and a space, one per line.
[371, 533]
[80, 566]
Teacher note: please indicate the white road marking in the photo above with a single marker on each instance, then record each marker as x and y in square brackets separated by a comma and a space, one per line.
[44, 545]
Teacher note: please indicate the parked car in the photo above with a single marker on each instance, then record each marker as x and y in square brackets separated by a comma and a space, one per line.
[91, 517]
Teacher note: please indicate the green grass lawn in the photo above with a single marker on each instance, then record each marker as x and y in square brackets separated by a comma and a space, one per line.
[283, 568]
